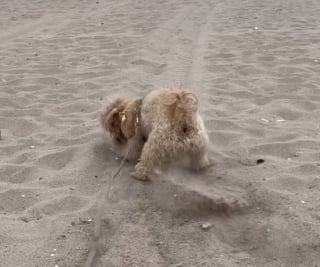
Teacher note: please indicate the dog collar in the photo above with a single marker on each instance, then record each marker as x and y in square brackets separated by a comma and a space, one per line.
[138, 111]
[123, 117]
[138, 114]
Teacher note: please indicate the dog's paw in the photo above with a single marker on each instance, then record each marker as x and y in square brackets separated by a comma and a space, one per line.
[140, 173]
[202, 165]
[207, 164]
[139, 176]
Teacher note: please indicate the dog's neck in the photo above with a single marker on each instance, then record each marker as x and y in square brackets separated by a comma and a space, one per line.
[123, 115]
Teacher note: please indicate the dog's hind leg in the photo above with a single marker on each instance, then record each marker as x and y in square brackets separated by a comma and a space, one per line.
[199, 160]
[198, 153]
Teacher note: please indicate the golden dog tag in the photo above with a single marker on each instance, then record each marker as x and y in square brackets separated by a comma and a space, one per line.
[123, 118]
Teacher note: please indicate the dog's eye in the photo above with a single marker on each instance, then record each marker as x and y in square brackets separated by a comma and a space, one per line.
[184, 129]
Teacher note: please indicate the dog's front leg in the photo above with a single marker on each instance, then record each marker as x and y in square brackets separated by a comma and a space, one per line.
[136, 145]
[154, 154]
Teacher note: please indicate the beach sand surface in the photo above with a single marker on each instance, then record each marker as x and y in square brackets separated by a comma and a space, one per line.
[255, 67]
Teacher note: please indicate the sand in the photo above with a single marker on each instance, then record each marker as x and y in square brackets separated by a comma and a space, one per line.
[255, 66]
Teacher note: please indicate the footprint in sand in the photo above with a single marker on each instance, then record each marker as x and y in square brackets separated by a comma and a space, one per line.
[285, 183]
[57, 160]
[59, 205]
[150, 67]
[16, 200]
[18, 127]
[16, 174]
[223, 138]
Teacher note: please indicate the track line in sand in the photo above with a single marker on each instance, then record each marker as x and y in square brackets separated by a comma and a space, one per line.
[165, 55]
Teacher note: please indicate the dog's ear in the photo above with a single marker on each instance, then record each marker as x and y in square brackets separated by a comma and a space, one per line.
[130, 117]
[111, 120]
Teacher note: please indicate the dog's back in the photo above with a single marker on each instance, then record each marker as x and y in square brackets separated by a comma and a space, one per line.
[165, 106]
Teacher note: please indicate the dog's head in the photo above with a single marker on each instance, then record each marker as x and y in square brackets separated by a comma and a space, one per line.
[183, 107]
[120, 118]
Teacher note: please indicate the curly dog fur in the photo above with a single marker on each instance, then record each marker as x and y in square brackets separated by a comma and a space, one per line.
[160, 128]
